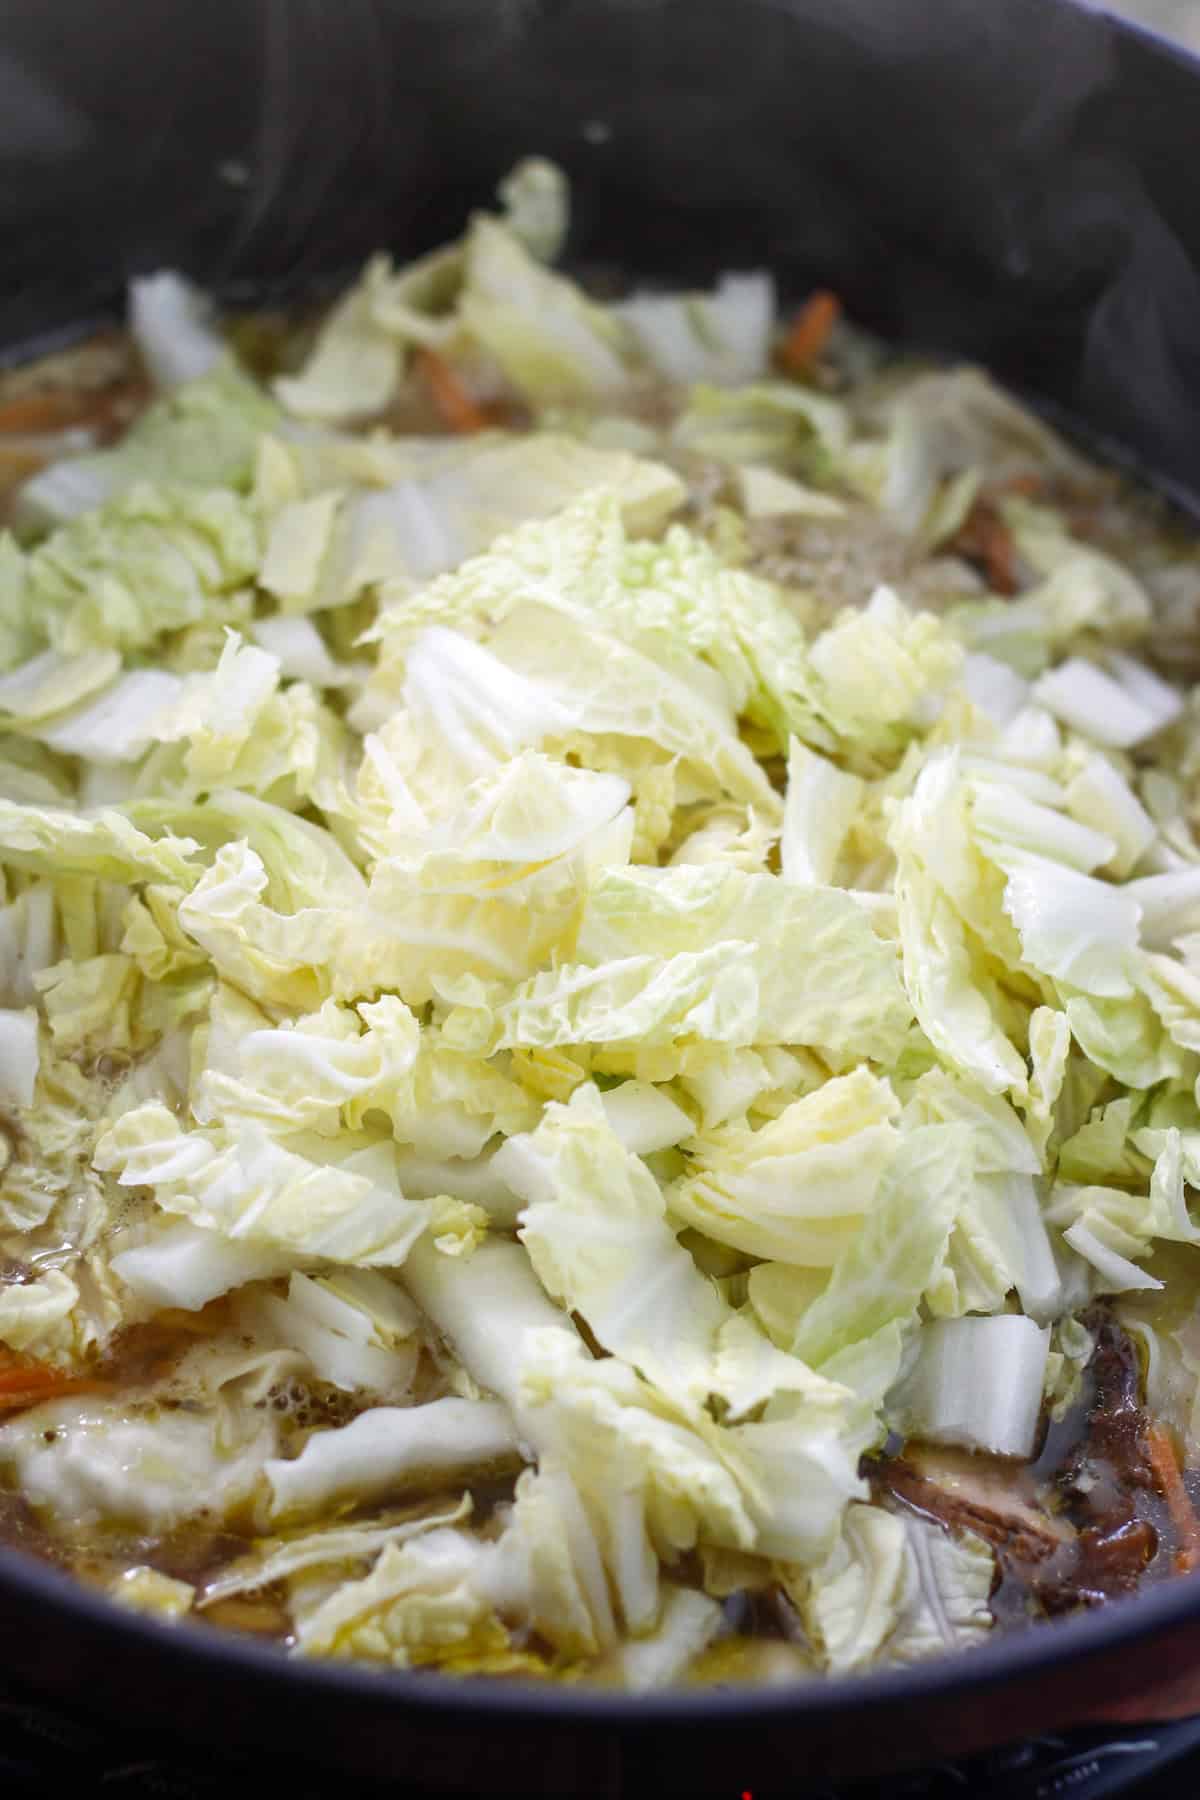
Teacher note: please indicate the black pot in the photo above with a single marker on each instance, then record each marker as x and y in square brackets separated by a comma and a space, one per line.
[1014, 182]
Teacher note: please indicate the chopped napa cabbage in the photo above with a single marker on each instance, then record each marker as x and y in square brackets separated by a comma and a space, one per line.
[38, 1316]
[993, 687]
[154, 559]
[1000, 1241]
[687, 1624]
[388, 1446]
[1005, 816]
[169, 319]
[1124, 1037]
[1100, 796]
[660, 597]
[46, 1173]
[775, 422]
[894, 1589]
[50, 684]
[549, 342]
[820, 808]
[800, 965]
[489, 1306]
[779, 1483]
[940, 886]
[355, 366]
[1112, 1229]
[217, 712]
[424, 525]
[978, 1382]
[357, 1330]
[879, 673]
[596, 948]
[28, 941]
[300, 651]
[249, 1187]
[279, 1558]
[99, 1003]
[283, 958]
[1078, 930]
[473, 1179]
[1103, 1149]
[303, 864]
[720, 337]
[18, 1056]
[1170, 906]
[118, 725]
[486, 300]
[313, 1073]
[537, 206]
[797, 1188]
[1117, 709]
[1083, 591]
[19, 632]
[879, 1277]
[328, 548]
[146, 1590]
[1173, 990]
[600, 1417]
[596, 1230]
[33, 775]
[546, 1572]
[172, 1262]
[104, 844]
[942, 424]
[768, 495]
[421, 1604]
[203, 433]
[999, 1244]
[1002, 1142]
[651, 1475]
[86, 1461]
[734, 993]
[549, 680]
[644, 1118]
[499, 885]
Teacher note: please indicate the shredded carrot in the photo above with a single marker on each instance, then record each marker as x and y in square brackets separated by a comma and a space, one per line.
[11, 1403]
[986, 537]
[1167, 1475]
[809, 331]
[32, 413]
[1028, 486]
[999, 556]
[457, 407]
[28, 1383]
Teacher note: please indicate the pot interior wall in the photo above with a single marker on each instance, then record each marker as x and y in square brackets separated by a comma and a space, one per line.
[1013, 183]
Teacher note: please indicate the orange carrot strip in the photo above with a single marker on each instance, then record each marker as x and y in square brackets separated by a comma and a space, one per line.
[22, 1383]
[999, 556]
[34, 413]
[809, 331]
[1165, 1465]
[984, 536]
[457, 407]
[35, 1396]
[1028, 486]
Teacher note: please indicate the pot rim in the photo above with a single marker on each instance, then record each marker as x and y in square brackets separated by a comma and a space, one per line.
[1027, 1653]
